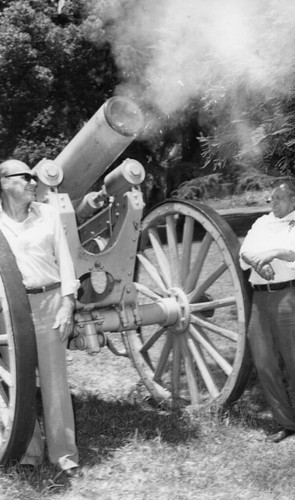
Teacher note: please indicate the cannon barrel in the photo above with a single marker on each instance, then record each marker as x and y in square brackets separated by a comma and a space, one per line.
[97, 145]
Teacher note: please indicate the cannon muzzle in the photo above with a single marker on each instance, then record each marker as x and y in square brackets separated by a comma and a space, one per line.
[97, 145]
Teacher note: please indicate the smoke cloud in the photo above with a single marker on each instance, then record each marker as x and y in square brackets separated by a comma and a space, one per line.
[172, 51]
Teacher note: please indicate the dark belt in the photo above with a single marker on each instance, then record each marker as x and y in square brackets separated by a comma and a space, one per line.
[42, 289]
[274, 287]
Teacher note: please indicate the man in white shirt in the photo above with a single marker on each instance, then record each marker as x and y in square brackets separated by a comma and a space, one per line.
[36, 237]
[268, 251]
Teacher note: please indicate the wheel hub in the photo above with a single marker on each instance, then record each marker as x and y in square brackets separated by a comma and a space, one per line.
[183, 310]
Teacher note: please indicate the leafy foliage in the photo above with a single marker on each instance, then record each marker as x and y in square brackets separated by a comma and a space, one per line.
[57, 68]
[250, 179]
[249, 122]
[201, 187]
[236, 181]
[53, 78]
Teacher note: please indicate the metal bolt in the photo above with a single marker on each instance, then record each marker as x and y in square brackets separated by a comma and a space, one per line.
[51, 170]
[135, 169]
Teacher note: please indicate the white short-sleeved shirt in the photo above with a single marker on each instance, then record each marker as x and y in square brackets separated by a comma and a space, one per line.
[270, 233]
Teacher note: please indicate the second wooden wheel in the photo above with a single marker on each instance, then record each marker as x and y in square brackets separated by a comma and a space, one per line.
[189, 252]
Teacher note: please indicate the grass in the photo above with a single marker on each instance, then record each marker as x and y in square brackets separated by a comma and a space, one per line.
[131, 450]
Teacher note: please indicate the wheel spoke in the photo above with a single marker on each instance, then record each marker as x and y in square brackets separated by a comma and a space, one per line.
[152, 271]
[144, 290]
[198, 358]
[224, 332]
[190, 370]
[193, 276]
[3, 406]
[176, 366]
[203, 367]
[173, 249]
[199, 290]
[150, 342]
[187, 241]
[3, 396]
[224, 365]
[213, 304]
[4, 339]
[5, 375]
[3, 410]
[163, 358]
[161, 257]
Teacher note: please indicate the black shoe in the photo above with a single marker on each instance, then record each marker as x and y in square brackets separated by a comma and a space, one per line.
[278, 436]
[73, 472]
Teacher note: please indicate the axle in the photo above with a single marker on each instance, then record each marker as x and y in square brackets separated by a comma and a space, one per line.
[91, 323]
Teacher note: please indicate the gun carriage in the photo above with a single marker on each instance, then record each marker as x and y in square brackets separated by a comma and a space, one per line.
[169, 282]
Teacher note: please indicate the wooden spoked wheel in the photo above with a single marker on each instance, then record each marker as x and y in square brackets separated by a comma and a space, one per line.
[189, 252]
[17, 361]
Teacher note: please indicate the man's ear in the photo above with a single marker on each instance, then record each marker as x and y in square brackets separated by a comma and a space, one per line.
[3, 183]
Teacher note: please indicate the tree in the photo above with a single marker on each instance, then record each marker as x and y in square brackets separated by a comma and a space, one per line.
[251, 121]
[53, 78]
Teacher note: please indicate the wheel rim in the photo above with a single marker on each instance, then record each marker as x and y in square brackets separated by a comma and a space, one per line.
[204, 358]
[17, 360]
[7, 372]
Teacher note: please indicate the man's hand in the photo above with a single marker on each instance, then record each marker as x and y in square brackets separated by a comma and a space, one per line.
[64, 320]
[261, 263]
[266, 272]
[258, 261]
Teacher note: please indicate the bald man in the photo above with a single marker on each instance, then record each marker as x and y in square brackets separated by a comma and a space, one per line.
[268, 251]
[36, 237]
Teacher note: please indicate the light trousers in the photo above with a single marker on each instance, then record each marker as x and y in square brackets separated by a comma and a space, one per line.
[56, 398]
[272, 341]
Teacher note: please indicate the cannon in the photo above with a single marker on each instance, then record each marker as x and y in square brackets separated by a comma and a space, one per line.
[168, 282]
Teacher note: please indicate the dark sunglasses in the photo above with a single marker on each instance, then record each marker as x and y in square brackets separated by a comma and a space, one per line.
[25, 175]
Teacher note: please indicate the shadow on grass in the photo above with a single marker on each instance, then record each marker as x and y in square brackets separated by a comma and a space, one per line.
[103, 427]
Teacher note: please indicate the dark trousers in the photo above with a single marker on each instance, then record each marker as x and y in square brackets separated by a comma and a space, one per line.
[272, 341]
